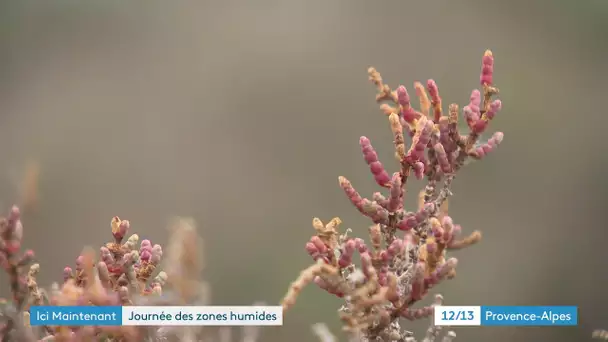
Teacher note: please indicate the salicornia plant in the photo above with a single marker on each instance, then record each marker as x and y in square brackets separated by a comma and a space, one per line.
[405, 255]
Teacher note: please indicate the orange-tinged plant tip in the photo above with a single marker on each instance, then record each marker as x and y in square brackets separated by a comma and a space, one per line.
[472, 239]
[318, 224]
[115, 224]
[425, 103]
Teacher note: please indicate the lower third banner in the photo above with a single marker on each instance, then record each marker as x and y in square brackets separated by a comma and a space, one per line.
[506, 315]
[156, 315]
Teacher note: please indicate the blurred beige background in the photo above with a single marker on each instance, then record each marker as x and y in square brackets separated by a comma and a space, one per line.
[243, 114]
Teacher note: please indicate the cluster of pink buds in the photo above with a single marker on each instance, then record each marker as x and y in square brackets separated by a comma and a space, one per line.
[122, 263]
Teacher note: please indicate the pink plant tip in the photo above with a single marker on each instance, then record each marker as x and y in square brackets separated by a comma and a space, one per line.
[487, 69]
[475, 100]
[403, 97]
[495, 107]
[14, 214]
[407, 113]
[498, 136]
[375, 166]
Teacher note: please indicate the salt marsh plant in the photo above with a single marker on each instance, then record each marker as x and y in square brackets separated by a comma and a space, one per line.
[406, 253]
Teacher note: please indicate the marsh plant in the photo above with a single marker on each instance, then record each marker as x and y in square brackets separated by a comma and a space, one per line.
[406, 253]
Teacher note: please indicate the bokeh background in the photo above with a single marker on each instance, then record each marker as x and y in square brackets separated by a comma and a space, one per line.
[242, 114]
